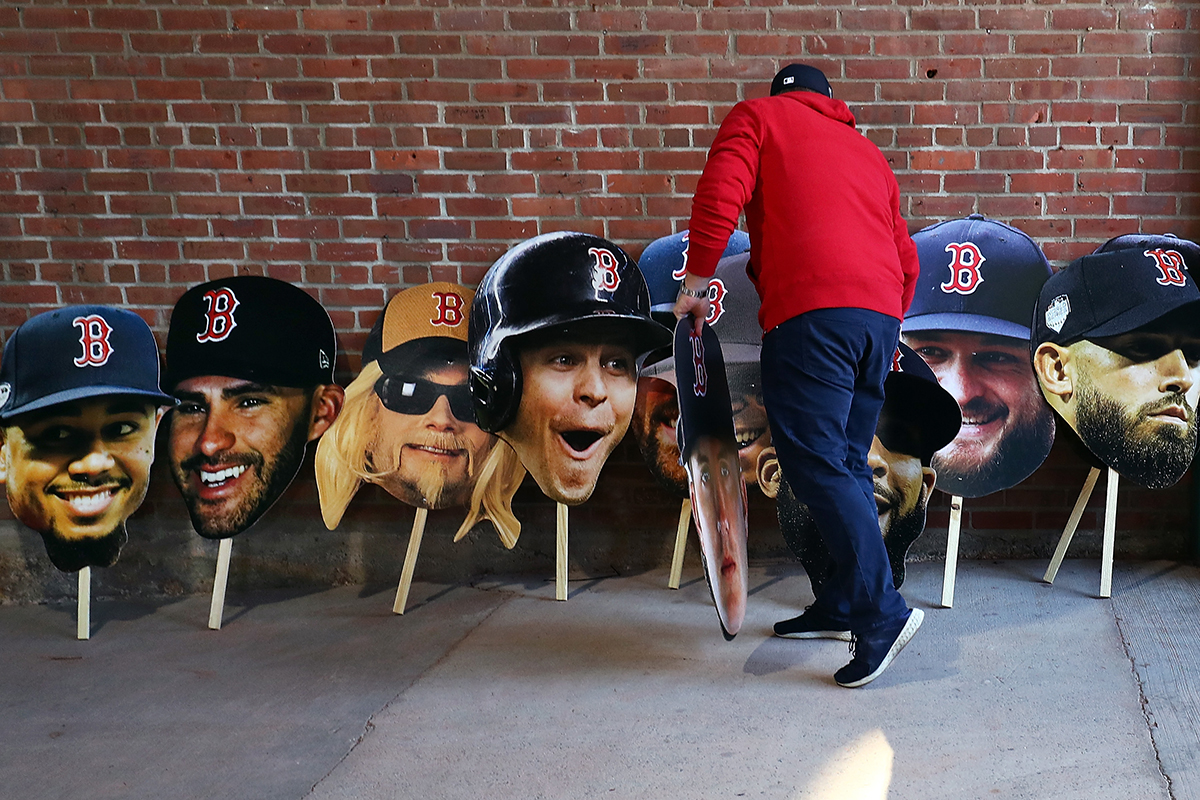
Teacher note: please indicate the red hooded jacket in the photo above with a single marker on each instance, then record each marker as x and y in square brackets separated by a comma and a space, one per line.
[822, 209]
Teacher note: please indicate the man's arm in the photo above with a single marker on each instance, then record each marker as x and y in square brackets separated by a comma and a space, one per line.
[724, 188]
[906, 250]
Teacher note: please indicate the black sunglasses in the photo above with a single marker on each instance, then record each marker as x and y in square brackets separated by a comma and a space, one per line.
[407, 395]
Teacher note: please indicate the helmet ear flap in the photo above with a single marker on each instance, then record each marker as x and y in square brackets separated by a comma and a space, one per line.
[496, 391]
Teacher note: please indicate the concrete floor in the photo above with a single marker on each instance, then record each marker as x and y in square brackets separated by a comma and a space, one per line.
[627, 690]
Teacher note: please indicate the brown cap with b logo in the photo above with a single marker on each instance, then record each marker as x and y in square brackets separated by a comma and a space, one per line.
[431, 311]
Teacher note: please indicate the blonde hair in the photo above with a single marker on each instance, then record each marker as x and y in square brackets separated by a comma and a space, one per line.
[343, 462]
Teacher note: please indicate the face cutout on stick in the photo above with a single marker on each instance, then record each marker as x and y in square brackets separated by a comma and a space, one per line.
[79, 407]
[558, 329]
[251, 361]
[1118, 358]
[970, 321]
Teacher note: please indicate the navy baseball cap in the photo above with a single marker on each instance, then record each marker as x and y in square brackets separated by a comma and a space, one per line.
[1153, 241]
[800, 76]
[75, 353]
[977, 276]
[663, 263]
[1113, 292]
[912, 394]
[252, 328]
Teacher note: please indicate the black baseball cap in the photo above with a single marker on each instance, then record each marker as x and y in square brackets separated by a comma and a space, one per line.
[252, 328]
[1113, 292]
[703, 388]
[75, 353]
[800, 76]
[912, 394]
[977, 276]
[1152, 241]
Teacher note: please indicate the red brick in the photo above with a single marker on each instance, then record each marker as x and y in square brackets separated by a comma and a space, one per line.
[264, 19]
[334, 20]
[362, 45]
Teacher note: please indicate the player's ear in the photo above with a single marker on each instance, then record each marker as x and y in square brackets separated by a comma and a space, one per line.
[1050, 364]
[769, 474]
[929, 479]
[3, 457]
[326, 405]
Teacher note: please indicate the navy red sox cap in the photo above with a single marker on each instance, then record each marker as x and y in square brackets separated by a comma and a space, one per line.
[252, 328]
[794, 77]
[75, 353]
[664, 262]
[977, 276]
[1113, 292]
[1151, 241]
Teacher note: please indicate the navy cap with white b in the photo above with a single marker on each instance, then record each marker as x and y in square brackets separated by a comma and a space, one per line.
[1113, 292]
[664, 262]
[252, 328]
[977, 276]
[76, 353]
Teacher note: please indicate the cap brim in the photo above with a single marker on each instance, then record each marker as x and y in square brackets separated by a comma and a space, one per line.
[967, 323]
[934, 409]
[1135, 318]
[86, 393]
[650, 335]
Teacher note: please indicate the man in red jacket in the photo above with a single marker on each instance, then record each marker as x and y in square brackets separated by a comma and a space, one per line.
[836, 270]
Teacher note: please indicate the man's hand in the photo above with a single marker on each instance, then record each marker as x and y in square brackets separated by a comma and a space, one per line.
[696, 306]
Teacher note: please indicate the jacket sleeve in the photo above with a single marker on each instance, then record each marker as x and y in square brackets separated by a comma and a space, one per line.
[906, 249]
[724, 188]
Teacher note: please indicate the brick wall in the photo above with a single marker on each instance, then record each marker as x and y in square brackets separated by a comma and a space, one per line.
[357, 148]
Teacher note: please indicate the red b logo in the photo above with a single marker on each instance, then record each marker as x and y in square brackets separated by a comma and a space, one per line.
[700, 383]
[1170, 264]
[716, 300]
[219, 321]
[896, 360]
[606, 276]
[681, 271]
[93, 335]
[449, 309]
[965, 261]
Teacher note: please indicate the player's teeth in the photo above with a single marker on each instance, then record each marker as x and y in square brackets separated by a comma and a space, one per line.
[90, 503]
[220, 476]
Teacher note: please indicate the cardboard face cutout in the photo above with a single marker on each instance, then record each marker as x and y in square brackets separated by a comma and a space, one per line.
[733, 316]
[710, 454]
[408, 424]
[251, 361]
[1118, 358]
[79, 407]
[918, 418]
[969, 320]
[558, 328]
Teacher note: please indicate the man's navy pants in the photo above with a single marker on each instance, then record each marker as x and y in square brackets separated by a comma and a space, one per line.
[823, 373]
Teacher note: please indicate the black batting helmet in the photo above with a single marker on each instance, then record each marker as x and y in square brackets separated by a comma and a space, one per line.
[549, 281]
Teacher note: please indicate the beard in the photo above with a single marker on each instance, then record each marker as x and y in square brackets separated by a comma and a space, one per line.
[902, 531]
[661, 458]
[1155, 459]
[72, 555]
[275, 478]
[1019, 452]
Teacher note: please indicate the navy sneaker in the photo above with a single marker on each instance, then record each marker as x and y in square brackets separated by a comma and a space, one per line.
[812, 624]
[872, 653]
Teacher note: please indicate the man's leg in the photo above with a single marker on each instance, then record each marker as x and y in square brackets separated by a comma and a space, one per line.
[823, 376]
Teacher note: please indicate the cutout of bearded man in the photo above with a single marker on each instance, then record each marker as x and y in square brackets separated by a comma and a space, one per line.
[919, 417]
[251, 361]
[1118, 355]
[969, 320]
[408, 424]
[79, 406]
[559, 328]
[656, 411]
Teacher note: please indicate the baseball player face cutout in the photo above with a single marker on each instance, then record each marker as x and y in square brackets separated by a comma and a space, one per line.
[654, 417]
[1132, 398]
[1007, 428]
[719, 503]
[236, 445]
[75, 471]
[578, 392]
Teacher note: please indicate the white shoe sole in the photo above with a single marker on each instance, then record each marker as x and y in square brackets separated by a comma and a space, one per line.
[914, 621]
[840, 636]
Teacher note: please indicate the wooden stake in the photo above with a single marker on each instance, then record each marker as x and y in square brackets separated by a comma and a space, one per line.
[1110, 533]
[560, 584]
[216, 609]
[685, 517]
[410, 560]
[1060, 552]
[83, 618]
[956, 504]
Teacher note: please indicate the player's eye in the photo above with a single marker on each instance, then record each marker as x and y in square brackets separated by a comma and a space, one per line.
[189, 408]
[252, 402]
[996, 358]
[121, 429]
[933, 354]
